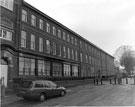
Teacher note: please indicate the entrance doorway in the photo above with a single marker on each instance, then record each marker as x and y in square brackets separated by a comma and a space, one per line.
[4, 72]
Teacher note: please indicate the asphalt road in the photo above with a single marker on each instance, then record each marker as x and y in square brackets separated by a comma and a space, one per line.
[89, 95]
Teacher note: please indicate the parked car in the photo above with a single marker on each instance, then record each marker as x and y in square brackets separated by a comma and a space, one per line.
[39, 89]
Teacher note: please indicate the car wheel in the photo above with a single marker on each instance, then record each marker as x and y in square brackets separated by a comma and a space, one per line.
[63, 93]
[42, 97]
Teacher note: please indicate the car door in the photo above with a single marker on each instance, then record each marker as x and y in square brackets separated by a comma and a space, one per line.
[48, 89]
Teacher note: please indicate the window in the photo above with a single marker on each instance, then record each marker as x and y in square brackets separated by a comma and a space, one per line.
[43, 67]
[81, 59]
[80, 44]
[41, 24]
[74, 70]
[59, 50]
[68, 38]
[57, 69]
[67, 70]
[64, 36]
[72, 40]
[64, 52]
[54, 31]
[5, 34]
[68, 53]
[32, 41]
[23, 39]
[24, 15]
[75, 41]
[76, 56]
[89, 48]
[39, 85]
[48, 48]
[86, 47]
[86, 56]
[54, 48]
[59, 33]
[26, 66]
[40, 44]
[72, 54]
[90, 59]
[48, 27]
[7, 4]
[33, 20]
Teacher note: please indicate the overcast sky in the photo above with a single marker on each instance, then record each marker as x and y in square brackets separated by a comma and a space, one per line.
[108, 24]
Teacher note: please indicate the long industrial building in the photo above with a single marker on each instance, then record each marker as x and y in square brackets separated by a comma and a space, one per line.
[34, 45]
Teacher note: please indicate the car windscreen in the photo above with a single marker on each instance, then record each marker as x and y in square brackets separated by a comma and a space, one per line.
[26, 84]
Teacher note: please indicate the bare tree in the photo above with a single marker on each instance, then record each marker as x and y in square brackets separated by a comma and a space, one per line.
[125, 57]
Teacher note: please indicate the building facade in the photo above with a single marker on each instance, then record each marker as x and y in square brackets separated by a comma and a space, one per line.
[35, 45]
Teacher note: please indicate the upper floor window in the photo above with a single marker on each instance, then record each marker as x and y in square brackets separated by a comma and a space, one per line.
[89, 48]
[76, 56]
[64, 52]
[86, 47]
[54, 31]
[59, 50]
[68, 53]
[24, 15]
[80, 44]
[54, 48]
[64, 36]
[75, 41]
[7, 35]
[72, 40]
[23, 38]
[72, 54]
[40, 44]
[32, 41]
[33, 20]
[86, 56]
[90, 59]
[7, 4]
[59, 33]
[48, 46]
[81, 58]
[48, 27]
[68, 38]
[41, 24]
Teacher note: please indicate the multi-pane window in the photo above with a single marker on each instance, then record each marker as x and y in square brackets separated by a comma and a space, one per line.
[86, 47]
[67, 70]
[74, 70]
[7, 4]
[54, 48]
[32, 41]
[64, 36]
[40, 44]
[43, 67]
[76, 56]
[89, 48]
[64, 52]
[72, 54]
[48, 27]
[57, 69]
[54, 31]
[23, 38]
[59, 33]
[41, 24]
[33, 20]
[81, 57]
[75, 41]
[90, 59]
[7, 35]
[68, 38]
[48, 46]
[24, 15]
[26, 66]
[68, 53]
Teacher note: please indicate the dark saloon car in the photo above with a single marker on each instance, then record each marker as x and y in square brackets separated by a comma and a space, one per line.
[39, 89]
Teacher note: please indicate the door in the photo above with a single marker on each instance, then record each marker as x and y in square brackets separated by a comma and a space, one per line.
[4, 74]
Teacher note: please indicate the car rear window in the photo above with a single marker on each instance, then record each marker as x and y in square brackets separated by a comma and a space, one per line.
[26, 84]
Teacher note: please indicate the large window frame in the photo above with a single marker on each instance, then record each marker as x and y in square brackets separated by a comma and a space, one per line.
[32, 42]
[9, 4]
[23, 38]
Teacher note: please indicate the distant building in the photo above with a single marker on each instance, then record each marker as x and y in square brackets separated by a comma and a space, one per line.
[33, 45]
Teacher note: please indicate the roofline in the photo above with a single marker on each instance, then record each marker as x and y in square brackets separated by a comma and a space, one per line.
[66, 28]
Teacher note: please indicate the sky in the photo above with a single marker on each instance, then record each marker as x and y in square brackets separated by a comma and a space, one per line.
[108, 24]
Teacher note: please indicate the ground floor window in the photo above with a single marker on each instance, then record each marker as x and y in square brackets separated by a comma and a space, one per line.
[57, 69]
[26, 66]
[43, 67]
[74, 70]
[67, 70]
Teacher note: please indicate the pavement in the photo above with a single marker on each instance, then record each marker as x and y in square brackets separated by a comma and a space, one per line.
[11, 97]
